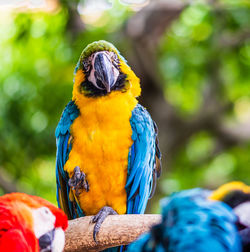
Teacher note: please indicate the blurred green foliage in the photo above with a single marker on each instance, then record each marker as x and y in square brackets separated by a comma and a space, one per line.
[38, 57]
[200, 37]
[33, 91]
[36, 78]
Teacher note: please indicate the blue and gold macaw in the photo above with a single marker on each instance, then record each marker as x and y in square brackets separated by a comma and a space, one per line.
[108, 157]
[192, 222]
[203, 221]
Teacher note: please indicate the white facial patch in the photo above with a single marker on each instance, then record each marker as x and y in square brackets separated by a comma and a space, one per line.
[243, 212]
[92, 78]
[44, 221]
[112, 74]
[59, 240]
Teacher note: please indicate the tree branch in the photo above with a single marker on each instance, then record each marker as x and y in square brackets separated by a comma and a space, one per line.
[226, 137]
[151, 22]
[231, 40]
[234, 135]
[116, 230]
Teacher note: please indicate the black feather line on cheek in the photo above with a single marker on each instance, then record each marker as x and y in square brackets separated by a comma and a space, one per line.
[89, 90]
[120, 82]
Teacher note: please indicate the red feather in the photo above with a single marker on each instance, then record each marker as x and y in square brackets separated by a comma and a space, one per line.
[16, 221]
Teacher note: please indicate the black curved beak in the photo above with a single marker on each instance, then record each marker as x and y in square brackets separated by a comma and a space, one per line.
[104, 71]
[45, 241]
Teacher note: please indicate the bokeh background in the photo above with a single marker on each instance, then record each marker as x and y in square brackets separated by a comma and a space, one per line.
[193, 59]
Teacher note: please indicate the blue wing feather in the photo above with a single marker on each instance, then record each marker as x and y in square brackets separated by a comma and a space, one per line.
[63, 149]
[141, 161]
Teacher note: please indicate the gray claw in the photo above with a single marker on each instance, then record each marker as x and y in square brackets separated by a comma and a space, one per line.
[78, 181]
[99, 218]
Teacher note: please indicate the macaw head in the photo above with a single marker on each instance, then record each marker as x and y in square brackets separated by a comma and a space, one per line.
[40, 224]
[237, 195]
[101, 70]
[233, 193]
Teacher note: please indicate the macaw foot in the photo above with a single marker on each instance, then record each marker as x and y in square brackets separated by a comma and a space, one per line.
[78, 181]
[99, 218]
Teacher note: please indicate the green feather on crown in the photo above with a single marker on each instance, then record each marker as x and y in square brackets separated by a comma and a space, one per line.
[97, 46]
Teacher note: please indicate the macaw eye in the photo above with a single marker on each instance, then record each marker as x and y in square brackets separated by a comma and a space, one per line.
[87, 64]
[46, 211]
[43, 220]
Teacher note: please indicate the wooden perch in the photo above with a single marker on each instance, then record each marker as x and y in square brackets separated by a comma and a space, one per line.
[116, 230]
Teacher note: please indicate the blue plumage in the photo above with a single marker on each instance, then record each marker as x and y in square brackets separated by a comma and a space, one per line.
[63, 149]
[190, 222]
[141, 165]
[142, 160]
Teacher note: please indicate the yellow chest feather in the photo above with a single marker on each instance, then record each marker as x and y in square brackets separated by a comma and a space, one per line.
[100, 147]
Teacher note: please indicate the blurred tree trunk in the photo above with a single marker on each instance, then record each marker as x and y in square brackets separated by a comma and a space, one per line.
[6, 182]
[74, 26]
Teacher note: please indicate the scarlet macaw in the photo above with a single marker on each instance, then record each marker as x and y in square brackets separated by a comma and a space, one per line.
[108, 157]
[30, 224]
